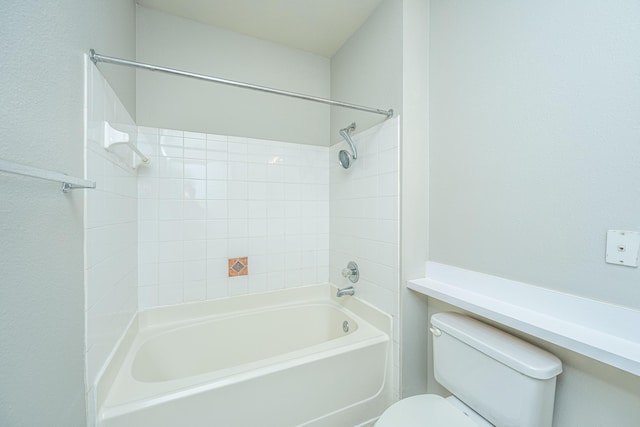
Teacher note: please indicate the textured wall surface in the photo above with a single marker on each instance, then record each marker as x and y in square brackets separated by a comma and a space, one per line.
[41, 295]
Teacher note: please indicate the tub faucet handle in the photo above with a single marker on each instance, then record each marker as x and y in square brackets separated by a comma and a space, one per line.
[351, 272]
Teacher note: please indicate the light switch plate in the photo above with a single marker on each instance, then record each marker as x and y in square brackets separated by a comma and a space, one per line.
[622, 247]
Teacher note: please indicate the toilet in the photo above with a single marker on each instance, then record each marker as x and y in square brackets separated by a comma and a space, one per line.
[496, 380]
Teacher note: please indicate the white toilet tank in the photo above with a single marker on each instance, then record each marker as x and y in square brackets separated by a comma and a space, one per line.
[505, 379]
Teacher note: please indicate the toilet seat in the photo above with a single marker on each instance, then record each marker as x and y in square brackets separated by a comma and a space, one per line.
[425, 410]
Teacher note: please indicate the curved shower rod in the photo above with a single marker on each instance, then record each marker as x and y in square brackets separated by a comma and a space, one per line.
[96, 57]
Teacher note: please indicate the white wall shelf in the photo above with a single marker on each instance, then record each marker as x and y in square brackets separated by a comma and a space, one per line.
[605, 332]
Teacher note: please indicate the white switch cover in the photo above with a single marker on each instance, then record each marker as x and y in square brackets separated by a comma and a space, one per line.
[622, 247]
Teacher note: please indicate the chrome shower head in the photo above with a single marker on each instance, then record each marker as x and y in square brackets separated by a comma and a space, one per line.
[345, 157]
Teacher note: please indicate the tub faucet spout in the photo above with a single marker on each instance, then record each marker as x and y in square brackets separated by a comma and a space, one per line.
[345, 291]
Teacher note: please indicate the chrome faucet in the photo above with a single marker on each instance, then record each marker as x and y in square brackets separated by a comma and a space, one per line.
[345, 291]
[351, 273]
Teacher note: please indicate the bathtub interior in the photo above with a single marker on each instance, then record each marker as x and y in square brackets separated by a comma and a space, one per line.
[347, 373]
[237, 339]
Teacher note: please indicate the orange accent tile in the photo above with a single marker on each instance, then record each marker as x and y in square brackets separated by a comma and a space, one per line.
[238, 266]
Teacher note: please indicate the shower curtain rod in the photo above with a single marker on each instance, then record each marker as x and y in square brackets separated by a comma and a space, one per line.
[96, 57]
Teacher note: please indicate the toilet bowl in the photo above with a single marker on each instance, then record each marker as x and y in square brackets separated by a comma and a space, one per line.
[431, 410]
[495, 378]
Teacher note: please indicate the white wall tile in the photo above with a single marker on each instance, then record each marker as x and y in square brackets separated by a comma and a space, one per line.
[195, 230]
[217, 249]
[195, 290]
[257, 227]
[170, 188]
[238, 209]
[217, 268]
[217, 288]
[238, 285]
[170, 164]
[217, 209]
[275, 280]
[170, 294]
[148, 275]
[216, 190]
[264, 199]
[193, 140]
[170, 230]
[238, 228]
[111, 230]
[217, 169]
[170, 273]
[216, 229]
[147, 296]
[237, 247]
[170, 210]
[363, 215]
[257, 282]
[195, 250]
[194, 210]
[194, 189]
[195, 135]
[148, 209]
[195, 169]
[237, 171]
[171, 132]
[195, 271]
[293, 277]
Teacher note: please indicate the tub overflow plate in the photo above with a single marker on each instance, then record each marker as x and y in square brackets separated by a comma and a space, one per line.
[345, 326]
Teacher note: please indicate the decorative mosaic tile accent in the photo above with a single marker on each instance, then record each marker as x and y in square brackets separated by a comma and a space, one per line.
[238, 266]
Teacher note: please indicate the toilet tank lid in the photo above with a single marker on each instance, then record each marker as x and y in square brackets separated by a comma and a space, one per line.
[507, 349]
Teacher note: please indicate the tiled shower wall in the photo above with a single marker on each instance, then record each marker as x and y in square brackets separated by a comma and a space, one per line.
[111, 264]
[204, 199]
[365, 219]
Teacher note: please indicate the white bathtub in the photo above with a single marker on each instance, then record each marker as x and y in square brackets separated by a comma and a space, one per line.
[275, 359]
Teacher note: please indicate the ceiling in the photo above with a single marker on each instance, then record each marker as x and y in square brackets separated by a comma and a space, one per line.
[315, 26]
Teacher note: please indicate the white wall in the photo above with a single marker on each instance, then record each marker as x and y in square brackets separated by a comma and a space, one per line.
[165, 101]
[414, 188]
[535, 111]
[112, 27]
[41, 297]
[206, 198]
[534, 118]
[367, 70]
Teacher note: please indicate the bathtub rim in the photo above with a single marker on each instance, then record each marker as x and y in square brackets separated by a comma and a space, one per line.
[242, 376]
[177, 314]
[173, 314]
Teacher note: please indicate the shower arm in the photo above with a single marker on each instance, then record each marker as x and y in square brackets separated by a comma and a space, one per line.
[345, 134]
